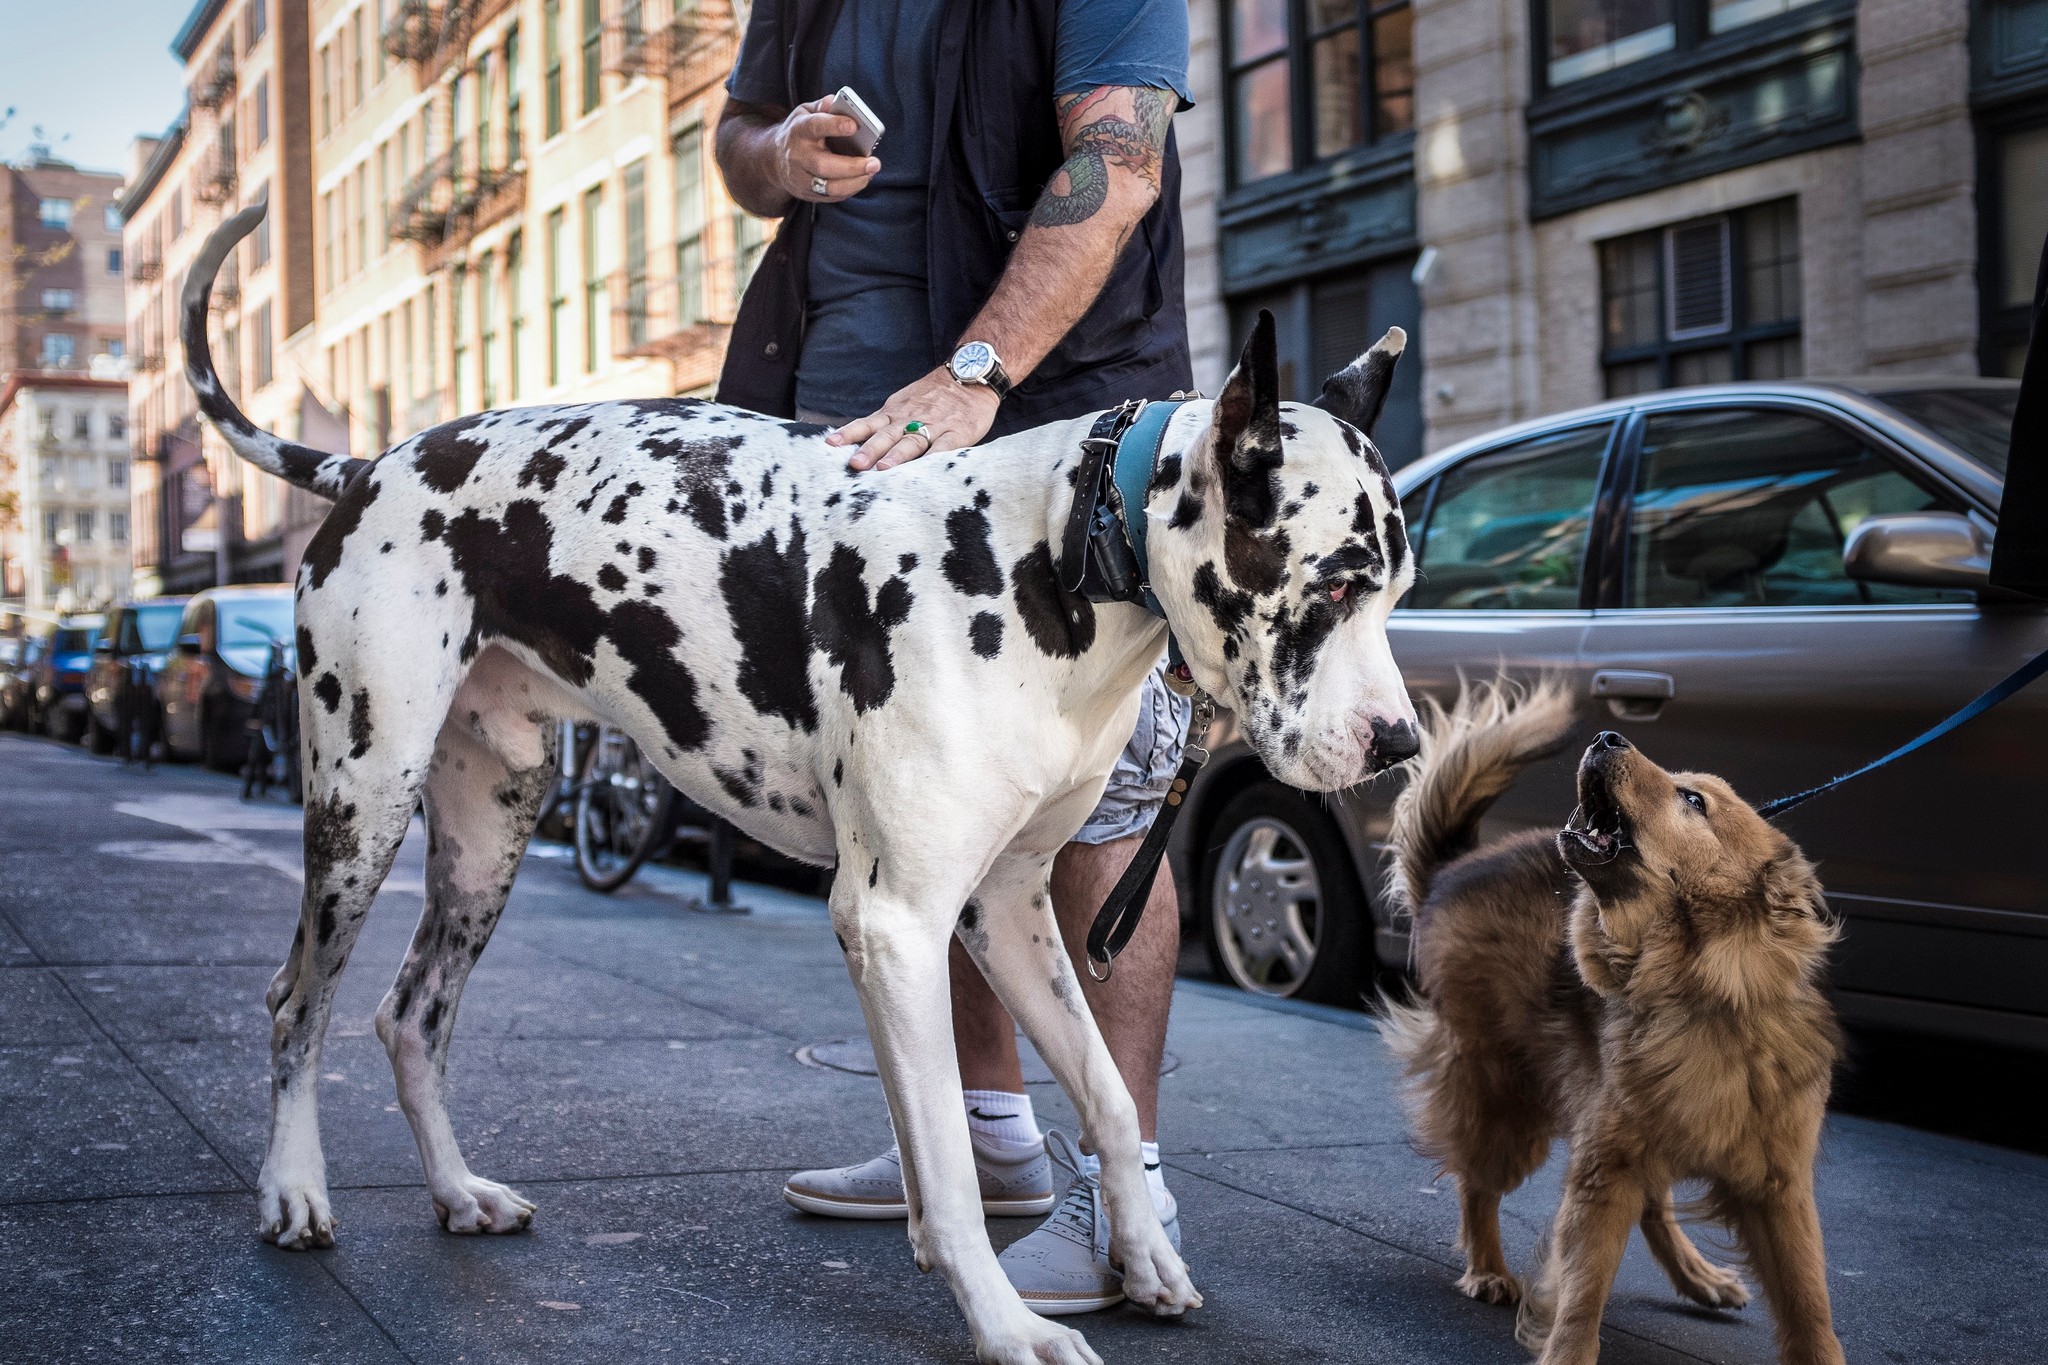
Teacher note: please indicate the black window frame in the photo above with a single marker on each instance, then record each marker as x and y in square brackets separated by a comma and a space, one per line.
[1692, 42]
[2000, 325]
[1298, 51]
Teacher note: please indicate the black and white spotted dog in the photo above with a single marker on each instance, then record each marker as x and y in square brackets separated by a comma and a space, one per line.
[877, 671]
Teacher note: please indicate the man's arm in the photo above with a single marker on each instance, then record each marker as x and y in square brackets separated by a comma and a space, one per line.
[772, 157]
[1115, 139]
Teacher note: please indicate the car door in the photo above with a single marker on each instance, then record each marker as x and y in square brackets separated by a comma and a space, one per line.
[184, 678]
[1501, 540]
[1732, 639]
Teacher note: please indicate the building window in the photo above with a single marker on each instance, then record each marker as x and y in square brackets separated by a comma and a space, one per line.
[110, 218]
[56, 213]
[117, 426]
[117, 470]
[593, 62]
[259, 20]
[635, 183]
[58, 300]
[2013, 214]
[113, 260]
[117, 527]
[551, 59]
[515, 147]
[1308, 82]
[259, 240]
[357, 67]
[1584, 38]
[326, 90]
[261, 111]
[458, 371]
[515, 298]
[487, 319]
[59, 349]
[81, 426]
[363, 215]
[82, 527]
[485, 97]
[558, 294]
[750, 243]
[593, 280]
[53, 524]
[688, 155]
[327, 242]
[261, 348]
[1704, 301]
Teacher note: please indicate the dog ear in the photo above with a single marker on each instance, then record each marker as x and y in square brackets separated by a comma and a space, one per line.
[1792, 888]
[1357, 392]
[1247, 427]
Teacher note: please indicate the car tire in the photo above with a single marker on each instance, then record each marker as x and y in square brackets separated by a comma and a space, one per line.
[1279, 900]
[216, 746]
[98, 737]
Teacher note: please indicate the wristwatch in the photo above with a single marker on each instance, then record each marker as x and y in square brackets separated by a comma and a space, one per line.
[976, 363]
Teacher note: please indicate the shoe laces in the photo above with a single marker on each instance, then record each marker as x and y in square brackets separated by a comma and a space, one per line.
[1079, 1217]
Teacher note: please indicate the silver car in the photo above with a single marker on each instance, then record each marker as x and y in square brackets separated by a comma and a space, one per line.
[1775, 582]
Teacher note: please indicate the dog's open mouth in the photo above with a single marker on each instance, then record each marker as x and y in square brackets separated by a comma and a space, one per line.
[1596, 833]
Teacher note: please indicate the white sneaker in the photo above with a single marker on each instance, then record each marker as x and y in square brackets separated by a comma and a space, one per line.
[1063, 1267]
[1018, 1187]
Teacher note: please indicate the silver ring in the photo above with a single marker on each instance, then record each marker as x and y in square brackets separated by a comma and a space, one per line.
[819, 187]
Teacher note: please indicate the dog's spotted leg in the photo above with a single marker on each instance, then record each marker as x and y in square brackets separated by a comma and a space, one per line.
[1692, 1274]
[1486, 1276]
[1602, 1200]
[490, 773]
[1015, 939]
[1780, 1228]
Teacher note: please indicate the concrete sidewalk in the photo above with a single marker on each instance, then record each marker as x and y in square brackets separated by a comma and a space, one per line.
[633, 1069]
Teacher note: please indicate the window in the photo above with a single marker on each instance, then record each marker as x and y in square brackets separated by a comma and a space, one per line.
[551, 59]
[110, 218]
[558, 295]
[259, 240]
[261, 111]
[81, 426]
[487, 319]
[635, 182]
[327, 242]
[117, 426]
[356, 69]
[56, 213]
[2013, 211]
[53, 523]
[1710, 300]
[1587, 37]
[117, 470]
[259, 20]
[688, 155]
[1308, 82]
[485, 97]
[1751, 508]
[260, 350]
[114, 347]
[458, 373]
[363, 215]
[117, 527]
[59, 349]
[82, 527]
[515, 147]
[113, 260]
[58, 300]
[326, 90]
[177, 214]
[750, 242]
[1507, 530]
[405, 362]
[433, 355]
[593, 280]
[593, 64]
[515, 296]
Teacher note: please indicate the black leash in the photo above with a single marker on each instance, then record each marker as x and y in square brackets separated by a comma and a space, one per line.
[2014, 682]
[1120, 913]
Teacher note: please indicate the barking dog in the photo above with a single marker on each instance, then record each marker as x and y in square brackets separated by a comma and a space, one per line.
[1643, 984]
[881, 672]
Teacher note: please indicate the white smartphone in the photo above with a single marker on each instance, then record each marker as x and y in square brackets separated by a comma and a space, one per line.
[869, 134]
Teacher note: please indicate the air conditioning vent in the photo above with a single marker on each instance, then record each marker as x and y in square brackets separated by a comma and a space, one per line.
[1696, 265]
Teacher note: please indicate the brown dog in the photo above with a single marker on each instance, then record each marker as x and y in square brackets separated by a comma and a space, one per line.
[1644, 984]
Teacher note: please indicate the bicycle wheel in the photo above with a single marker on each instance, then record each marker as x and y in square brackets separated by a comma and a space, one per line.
[622, 812]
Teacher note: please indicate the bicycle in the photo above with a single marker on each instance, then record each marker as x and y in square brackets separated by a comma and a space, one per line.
[273, 751]
[623, 812]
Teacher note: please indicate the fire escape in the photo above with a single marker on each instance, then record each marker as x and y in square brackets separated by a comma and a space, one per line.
[464, 187]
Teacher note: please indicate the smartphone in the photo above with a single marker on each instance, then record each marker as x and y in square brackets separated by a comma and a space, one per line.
[863, 142]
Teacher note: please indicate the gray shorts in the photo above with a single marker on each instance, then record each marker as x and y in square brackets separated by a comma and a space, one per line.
[1145, 768]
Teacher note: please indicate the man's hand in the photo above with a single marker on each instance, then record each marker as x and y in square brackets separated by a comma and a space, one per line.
[771, 158]
[953, 415]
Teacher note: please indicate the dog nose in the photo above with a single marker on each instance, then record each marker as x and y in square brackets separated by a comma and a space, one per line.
[1396, 742]
[1607, 739]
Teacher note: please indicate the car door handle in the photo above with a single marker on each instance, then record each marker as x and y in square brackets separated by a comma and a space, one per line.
[1633, 693]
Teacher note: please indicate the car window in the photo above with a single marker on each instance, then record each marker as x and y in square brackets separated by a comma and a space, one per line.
[1977, 422]
[1508, 528]
[1739, 507]
[253, 622]
[158, 626]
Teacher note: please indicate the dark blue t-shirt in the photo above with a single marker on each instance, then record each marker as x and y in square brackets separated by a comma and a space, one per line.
[868, 330]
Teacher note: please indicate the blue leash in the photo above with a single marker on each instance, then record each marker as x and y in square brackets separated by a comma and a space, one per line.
[2018, 679]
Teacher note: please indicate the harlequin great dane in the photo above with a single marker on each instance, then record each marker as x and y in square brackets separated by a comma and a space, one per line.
[879, 672]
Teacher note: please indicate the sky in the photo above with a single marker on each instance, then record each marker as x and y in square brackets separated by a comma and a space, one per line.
[93, 73]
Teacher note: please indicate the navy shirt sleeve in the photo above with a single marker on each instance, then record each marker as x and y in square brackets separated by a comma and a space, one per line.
[1121, 42]
[760, 76]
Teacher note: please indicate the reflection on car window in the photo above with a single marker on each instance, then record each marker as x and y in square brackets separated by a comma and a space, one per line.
[1509, 528]
[158, 626]
[253, 622]
[1977, 422]
[1751, 508]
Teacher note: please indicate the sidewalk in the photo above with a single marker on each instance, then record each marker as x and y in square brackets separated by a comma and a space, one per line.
[632, 1068]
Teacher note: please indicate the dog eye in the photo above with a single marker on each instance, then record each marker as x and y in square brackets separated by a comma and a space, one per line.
[1337, 593]
[1694, 799]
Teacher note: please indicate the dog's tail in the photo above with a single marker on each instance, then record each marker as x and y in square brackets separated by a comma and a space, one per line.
[316, 471]
[1469, 757]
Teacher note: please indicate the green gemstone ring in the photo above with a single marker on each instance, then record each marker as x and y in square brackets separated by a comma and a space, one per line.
[913, 428]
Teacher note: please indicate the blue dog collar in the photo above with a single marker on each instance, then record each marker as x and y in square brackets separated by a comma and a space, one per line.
[1137, 457]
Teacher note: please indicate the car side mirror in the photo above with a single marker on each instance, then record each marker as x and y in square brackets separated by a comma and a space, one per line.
[103, 646]
[189, 646]
[1919, 550]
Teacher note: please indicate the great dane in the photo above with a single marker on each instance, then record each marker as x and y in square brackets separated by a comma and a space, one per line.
[878, 672]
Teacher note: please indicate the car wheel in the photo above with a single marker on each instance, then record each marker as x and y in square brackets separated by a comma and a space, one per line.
[216, 746]
[98, 737]
[1284, 913]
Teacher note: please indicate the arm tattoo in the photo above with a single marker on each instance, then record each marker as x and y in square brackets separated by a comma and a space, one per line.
[1097, 140]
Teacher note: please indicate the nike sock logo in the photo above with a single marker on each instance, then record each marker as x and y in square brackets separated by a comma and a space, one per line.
[975, 1113]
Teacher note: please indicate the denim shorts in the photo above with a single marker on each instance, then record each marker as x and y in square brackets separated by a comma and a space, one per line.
[1145, 768]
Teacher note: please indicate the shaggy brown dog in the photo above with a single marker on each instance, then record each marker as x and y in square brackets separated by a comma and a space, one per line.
[1644, 984]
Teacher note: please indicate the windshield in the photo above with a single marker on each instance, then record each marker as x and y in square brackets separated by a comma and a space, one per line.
[158, 626]
[1978, 422]
[244, 621]
[74, 640]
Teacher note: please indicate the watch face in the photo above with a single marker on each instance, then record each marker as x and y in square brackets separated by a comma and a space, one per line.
[973, 362]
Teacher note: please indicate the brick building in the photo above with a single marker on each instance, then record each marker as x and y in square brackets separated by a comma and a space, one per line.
[60, 268]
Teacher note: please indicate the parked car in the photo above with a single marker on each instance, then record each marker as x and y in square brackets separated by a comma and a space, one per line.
[208, 687]
[1776, 582]
[17, 662]
[138, 635]
[60, 674]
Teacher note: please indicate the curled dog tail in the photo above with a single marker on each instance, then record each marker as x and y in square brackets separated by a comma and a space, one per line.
[1469, 757]
[316, 471]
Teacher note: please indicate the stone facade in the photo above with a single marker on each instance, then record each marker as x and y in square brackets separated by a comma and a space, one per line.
[64, 478]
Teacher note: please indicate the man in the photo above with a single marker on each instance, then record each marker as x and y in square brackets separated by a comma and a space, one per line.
[1010, 256]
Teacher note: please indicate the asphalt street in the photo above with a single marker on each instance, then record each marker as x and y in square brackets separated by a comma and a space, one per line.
[649, 1075]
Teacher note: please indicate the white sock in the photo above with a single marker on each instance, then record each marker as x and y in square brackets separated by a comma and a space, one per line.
[1155, 1177]
[1002, 1121]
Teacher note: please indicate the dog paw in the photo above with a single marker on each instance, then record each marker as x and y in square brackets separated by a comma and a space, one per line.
[1035, 1341]
[475, 1205]
[1156, 1279]
[1714, 1286]
[294, 1214]
[1490, 1288]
